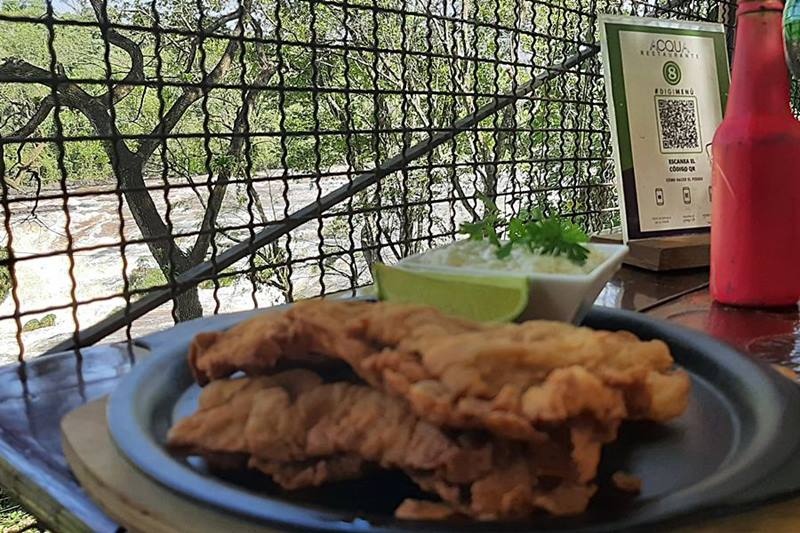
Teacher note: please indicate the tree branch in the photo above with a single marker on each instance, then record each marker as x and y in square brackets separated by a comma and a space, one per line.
[240, 129]
[462, 196]
[501, 148]
[42, 111]
[134, 51]
[211, 28]
[126, 166]
[69, 95]
[190, 96]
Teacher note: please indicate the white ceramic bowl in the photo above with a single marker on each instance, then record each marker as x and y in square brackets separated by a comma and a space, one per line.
[564, 297]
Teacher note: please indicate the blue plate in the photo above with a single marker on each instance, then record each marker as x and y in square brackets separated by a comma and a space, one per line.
[734, 447]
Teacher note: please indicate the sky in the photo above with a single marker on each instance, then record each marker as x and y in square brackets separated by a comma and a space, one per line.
[61, 6]
[64, 6]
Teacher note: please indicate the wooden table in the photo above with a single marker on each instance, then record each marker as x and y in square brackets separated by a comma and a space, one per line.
[34, 398]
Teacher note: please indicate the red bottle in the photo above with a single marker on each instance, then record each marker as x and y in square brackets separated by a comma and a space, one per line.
[755, 229]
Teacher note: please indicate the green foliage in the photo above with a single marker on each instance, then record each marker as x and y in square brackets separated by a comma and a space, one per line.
[530, 229]
[80, 51]
[549, 236]
[13, 517]
[227, 278]
[487, 227]
[46, 321]
[145, 277]
[266, 269]
[556, 139]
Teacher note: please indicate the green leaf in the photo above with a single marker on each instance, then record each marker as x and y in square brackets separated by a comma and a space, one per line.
[530, 229]
[492, 234]
[505, 250]
[555, 236]
[517, 231]
[475, 230]
[491, 207]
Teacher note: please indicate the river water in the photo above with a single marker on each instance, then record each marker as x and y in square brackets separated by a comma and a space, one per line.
[39, 228]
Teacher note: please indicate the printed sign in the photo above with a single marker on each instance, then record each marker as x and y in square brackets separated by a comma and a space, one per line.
[667, 85]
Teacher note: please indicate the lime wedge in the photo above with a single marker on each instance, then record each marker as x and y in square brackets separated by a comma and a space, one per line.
[481, 298]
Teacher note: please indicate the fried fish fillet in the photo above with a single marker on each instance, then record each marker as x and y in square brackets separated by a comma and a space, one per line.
[223, 410]
[498, 421]
[516, 378]
[325, 327]
[305, 433]
[512, 379]
[248, 347]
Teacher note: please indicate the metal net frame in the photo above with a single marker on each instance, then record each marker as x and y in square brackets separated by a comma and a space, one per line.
[163, 160]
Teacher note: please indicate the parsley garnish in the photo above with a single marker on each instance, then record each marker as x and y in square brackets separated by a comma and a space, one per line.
[550, 236]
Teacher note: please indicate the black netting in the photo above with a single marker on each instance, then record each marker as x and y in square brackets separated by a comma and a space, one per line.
[222, 155]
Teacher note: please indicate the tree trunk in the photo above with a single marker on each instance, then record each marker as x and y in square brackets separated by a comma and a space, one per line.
[187, 305]
[128, 165]
[171, 260]
[367, 242]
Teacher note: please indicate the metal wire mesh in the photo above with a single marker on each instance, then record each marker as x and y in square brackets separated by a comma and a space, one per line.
[167, 159]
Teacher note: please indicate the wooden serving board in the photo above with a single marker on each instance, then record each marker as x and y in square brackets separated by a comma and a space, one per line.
[142, 505]
[125, 494]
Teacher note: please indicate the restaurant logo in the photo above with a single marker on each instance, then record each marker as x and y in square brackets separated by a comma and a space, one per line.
[672, 73]
[669, 45]
[670, 48]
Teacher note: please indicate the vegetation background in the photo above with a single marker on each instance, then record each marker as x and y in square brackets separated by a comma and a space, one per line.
[318, 104]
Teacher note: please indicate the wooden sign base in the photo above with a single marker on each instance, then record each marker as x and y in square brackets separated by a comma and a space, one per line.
[665, 253]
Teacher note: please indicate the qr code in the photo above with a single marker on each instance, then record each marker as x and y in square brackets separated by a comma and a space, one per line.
[678, 124]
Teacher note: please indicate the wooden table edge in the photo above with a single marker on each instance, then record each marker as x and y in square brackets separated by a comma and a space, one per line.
[33, 490]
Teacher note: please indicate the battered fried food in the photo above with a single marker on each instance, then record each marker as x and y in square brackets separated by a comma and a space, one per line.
[466, 470]
[516, 377]
[412, 509]
[498, 421]
[304, 433]
[251, 346]
[310, 473]
[626, 482]
[508, 378]
[317, 326]
[218, 426]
